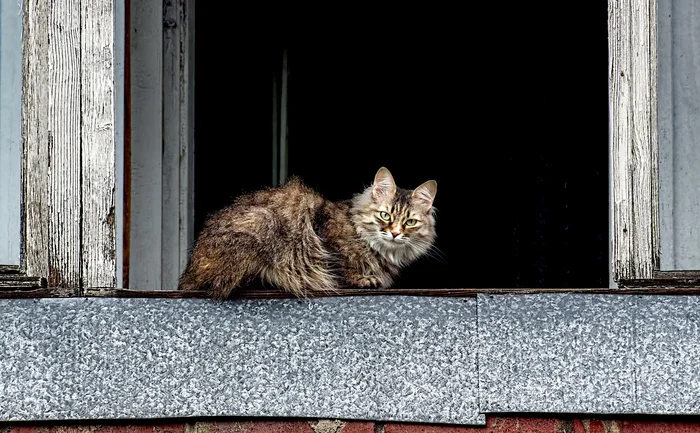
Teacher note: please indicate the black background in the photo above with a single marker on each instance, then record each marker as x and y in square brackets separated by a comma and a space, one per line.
[506, 108]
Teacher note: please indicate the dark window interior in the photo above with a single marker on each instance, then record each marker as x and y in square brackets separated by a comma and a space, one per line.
[511, 122]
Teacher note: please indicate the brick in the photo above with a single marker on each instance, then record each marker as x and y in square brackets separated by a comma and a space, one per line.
[590, 426]
[655, 427]
[358, 427]
[493, 425]
[312, 426]
[257, 427]
[101, 428]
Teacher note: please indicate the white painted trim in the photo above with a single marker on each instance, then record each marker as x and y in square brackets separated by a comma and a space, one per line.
[679, 134]
[162, 143]
[11, 130]
[146, 44]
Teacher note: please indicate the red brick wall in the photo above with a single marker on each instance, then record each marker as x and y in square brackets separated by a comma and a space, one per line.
[494, 424]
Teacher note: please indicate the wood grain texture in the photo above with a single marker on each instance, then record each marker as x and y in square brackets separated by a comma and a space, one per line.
[68, 143]
[64, 149]
[634, 147]
[35, 136]
[9, 269]
[652, 289]
[98, 138]
[21, 282]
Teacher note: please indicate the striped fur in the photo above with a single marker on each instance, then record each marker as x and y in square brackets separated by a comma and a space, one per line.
[292, 238]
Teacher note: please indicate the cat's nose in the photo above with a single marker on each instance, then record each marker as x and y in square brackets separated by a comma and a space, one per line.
[395, 233]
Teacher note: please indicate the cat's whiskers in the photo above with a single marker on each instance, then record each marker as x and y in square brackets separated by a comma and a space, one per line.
[431, 250]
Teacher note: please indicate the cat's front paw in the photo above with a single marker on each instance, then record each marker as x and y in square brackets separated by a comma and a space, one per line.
[368, 282]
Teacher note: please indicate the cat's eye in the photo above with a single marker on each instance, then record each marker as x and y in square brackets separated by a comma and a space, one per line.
[385, 216]
[411, 222]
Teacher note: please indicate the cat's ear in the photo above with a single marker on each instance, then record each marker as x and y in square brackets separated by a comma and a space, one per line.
[384, 185]
[425, 194]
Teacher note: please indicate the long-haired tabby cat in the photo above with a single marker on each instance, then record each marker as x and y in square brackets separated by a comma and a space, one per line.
[294, 239]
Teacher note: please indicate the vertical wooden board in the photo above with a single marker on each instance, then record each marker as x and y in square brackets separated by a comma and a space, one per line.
[11, 128]
[63, 159]
[146, 68]
[97, 72]
[173, 31]
[618, 28]
[634, 149]
[654, 134]
[35, 103]
[187, 21]
[644, 161]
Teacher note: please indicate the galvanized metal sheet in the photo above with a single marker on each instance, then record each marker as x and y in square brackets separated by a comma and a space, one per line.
[377, 358]
[575, 353]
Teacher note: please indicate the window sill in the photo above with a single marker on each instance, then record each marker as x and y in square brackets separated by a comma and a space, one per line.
[386, 358]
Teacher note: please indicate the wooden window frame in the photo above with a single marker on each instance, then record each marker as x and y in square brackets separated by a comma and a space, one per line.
[75, 252]
[69, 118]
[634, 176]
[634, 151]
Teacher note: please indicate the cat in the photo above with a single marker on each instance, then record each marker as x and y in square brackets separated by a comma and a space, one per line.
[292, 238]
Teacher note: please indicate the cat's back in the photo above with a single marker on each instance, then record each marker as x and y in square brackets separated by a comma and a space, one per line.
[292, 205]
[293, 199]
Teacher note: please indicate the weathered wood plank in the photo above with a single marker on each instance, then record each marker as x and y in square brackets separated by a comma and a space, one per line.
[654, 134]
[22, 282]
[9, 269]
[29, 293]
[645, 147]
[677, 274]
[146, 68]
[662, 286]
[668, 289]
[64, 149]
[634, 148]
[97, 73]
[35, 137]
